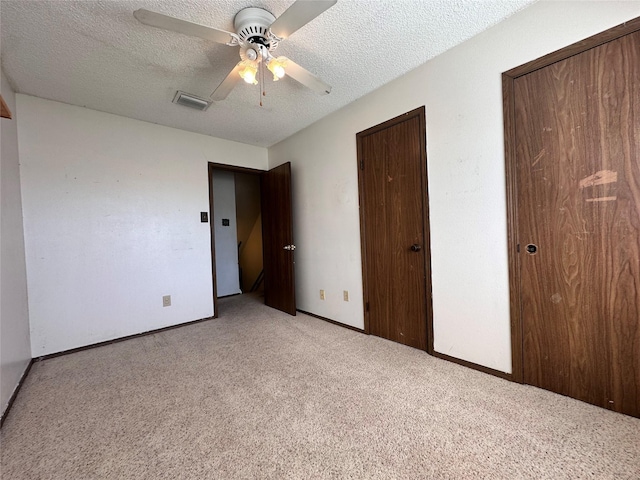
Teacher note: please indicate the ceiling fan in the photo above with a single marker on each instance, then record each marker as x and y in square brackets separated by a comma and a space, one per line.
[258, 33]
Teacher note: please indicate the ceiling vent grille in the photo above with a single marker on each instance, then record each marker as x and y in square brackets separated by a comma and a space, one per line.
[191, 101]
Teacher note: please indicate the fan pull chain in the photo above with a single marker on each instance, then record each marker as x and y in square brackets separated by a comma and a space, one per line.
[260, 80]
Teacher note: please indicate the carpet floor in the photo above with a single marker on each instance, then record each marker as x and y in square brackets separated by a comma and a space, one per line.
[258, 394]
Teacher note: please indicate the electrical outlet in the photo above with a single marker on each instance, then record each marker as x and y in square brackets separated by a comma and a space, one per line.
[345, 295]
[166, 301]
[321, 294]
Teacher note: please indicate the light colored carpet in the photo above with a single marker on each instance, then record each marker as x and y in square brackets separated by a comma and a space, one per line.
[257, 394]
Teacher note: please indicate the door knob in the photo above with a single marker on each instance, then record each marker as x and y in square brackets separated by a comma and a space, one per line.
[289, 247]
[416, 248]
[531, 249]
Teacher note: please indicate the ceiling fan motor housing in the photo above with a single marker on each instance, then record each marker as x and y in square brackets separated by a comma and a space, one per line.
[252, 26]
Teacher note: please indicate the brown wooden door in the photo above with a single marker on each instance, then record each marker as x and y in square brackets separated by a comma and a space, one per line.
[578, 202]
[393, 212]
[277, 239]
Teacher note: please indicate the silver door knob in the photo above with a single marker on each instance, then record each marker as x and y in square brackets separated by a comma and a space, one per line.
[289, 247]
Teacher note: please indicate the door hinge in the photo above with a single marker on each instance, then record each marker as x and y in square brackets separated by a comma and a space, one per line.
[518, 248]
[366, 307]
[361, 164]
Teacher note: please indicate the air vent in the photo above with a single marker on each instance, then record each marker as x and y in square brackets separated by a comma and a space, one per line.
[191, 101]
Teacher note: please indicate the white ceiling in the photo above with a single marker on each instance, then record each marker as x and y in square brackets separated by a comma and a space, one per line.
[95, 54]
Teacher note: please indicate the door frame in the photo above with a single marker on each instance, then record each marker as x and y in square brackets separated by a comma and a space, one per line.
[508, 95]
[420, 114]
[210, 169]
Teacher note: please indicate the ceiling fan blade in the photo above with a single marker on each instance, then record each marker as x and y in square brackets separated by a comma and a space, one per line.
[159, 20]
[306, 78]
[298, 15]
[227, 84]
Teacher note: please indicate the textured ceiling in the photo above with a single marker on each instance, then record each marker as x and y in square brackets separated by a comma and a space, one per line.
[95, 54]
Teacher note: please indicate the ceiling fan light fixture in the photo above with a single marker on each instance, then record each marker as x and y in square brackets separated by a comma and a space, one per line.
[257, 33]
[248, 74]
[276, 66]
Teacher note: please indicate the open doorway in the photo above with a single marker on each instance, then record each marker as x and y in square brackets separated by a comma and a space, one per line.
[251, 228]
[236, 230]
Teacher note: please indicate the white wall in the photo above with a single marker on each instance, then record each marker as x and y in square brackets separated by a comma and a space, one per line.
[112, 222]
[461, 90]
[224, 207]
[15, 347]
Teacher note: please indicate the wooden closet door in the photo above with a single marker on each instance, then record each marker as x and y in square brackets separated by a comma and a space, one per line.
[578, 203]
[395, 247]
